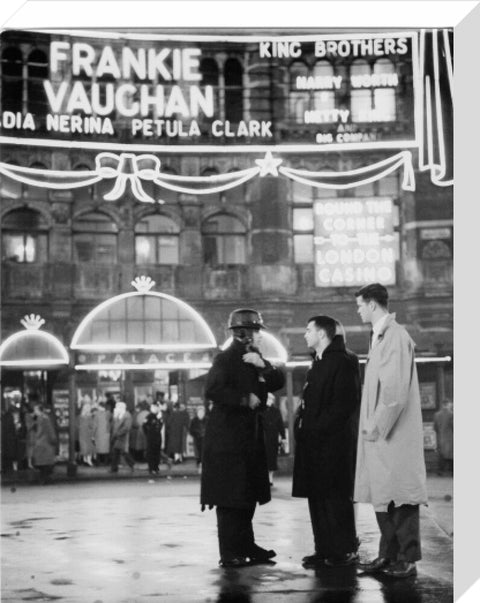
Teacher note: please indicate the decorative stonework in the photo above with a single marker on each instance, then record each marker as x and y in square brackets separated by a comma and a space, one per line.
[143, 284]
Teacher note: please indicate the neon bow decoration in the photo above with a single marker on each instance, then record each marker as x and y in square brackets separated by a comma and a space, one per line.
[128, 167]
[357, 177]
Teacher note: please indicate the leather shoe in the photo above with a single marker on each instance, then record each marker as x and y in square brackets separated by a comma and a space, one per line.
[348, 559]
[401, 569]
[374, 566]
[234, 562]
[260, 554]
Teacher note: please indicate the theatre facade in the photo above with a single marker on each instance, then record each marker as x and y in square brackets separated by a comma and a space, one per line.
[279, 170]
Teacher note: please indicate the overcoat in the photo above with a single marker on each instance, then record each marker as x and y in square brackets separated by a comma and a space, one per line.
[121, 432]
[443, 424]
[392, 468]
[234, 470]
[85, 434]
[177, 429]
[101, 430]
[325, 433]
[273, 426]
[45, 442]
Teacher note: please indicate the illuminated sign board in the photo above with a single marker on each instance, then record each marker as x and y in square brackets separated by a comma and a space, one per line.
[354, 242]
[142, 359]
[314, 90]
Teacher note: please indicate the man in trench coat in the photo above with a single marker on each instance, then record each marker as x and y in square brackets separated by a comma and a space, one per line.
[390, 472]
[325, 445]
[234, 468]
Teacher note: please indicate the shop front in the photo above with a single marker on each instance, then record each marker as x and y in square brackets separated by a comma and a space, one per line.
[32, 363]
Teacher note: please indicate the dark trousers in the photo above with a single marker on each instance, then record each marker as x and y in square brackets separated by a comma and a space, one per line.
[400, 533]
[235, 532]
[333, 525]
[116, 454]
[152, 454]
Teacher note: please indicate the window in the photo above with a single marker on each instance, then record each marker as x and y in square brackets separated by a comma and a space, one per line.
[95, 239]
[210, 77]
[309, 89]
[223, 238]
[303, 235]
[373, 91]
[12, 80]
[37, 72]
[233, 74]
[156, 240]
[24, 236]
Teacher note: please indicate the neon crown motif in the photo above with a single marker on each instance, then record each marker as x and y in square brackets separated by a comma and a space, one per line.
[143, 283]
[32, 321]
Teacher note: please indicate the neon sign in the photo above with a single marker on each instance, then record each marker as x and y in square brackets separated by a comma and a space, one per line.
[354, 242]
[157, 92]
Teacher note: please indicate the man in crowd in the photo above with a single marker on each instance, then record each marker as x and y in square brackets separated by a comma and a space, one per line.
[234, 471]
[121, 426]
[390, 472]
[325, 445]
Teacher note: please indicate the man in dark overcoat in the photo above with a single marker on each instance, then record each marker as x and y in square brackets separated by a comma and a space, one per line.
[325, 445]
[234, 472]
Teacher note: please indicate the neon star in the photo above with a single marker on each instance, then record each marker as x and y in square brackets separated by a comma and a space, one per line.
[268, 165]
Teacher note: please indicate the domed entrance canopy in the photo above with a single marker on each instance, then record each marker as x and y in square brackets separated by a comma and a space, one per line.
[143, 330]
[32, 348]
[270, 348]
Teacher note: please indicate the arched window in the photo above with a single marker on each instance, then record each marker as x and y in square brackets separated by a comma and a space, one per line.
[323, 99]
[12, 79]
[210, 77]
[223, 240]
[373, 91]
[360, 98]
[95, 239]
[298, 99]
[24, 236]
[233, 74]
[156, 240]
[37, 71]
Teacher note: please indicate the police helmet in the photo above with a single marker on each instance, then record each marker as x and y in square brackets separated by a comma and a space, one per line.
[245, 318]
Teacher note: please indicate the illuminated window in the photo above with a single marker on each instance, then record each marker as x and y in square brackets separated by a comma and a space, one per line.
[301, 193]
[24, 236]
[303, 235]
[223, 239]
[156, 240]
[323, 99]
[233, 75]
[298, 99]
[12, 84]
[373, 91]
[37, 71]
[94, 239]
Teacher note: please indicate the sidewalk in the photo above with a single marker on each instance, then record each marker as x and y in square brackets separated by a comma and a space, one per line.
[440, 489]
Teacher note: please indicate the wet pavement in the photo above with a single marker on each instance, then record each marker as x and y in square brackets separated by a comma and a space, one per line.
[126, 541]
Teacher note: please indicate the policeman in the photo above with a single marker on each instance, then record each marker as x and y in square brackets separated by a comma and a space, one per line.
[235, 475]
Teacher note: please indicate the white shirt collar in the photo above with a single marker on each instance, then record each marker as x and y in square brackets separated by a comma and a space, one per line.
[377, 327]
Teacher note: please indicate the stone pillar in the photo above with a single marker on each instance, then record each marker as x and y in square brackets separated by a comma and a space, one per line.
[191, 260]
[271, 270]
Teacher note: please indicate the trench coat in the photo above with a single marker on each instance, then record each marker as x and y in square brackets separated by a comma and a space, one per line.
[121, 432]
[443, 424]
[45, 442]
[234, 469]
[326, 426]
[391, 468]
[101, 431]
